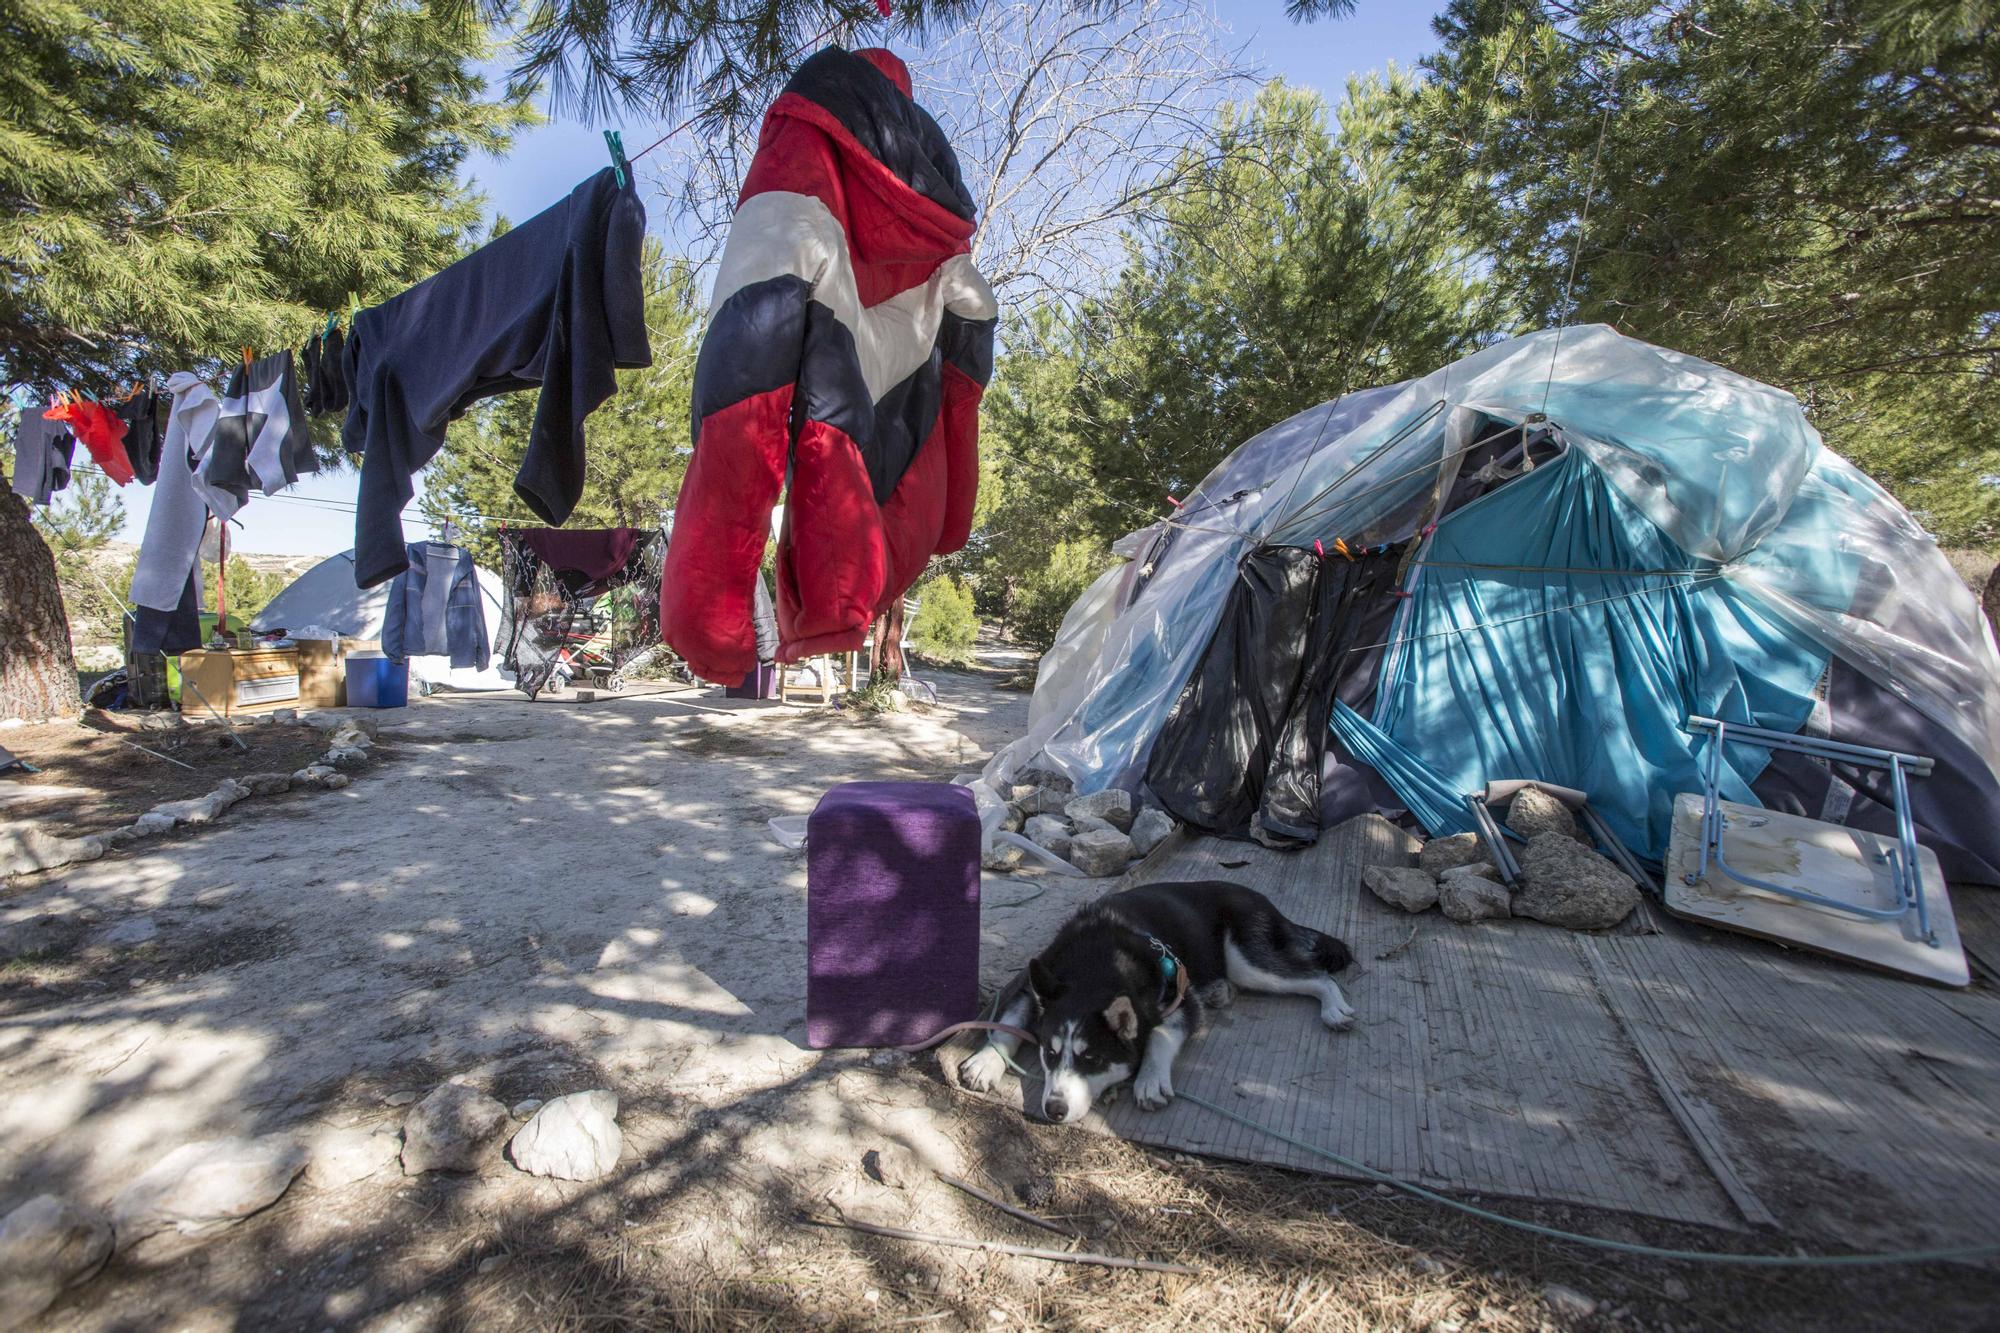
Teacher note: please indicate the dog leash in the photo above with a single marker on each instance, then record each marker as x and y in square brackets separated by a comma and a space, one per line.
[946, 1034]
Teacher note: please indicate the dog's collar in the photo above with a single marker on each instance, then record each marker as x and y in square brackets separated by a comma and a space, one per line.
[1173, 976]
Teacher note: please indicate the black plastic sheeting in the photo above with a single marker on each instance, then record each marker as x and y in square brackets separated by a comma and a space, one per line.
[1243, 749]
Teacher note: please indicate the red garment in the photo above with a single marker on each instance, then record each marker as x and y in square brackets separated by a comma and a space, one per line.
[848, 345]
[102, 432]
[595, 553]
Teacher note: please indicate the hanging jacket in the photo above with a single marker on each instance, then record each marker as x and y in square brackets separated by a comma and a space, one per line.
[558, 302]
[182, 498]
[141, 415]
[848, 343]
[43, 453]
[434, 608]
[262, 438]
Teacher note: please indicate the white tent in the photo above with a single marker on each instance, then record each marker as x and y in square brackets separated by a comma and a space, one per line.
[324, 597]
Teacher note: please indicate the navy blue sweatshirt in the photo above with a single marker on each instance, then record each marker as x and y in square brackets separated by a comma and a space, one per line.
[557, 302]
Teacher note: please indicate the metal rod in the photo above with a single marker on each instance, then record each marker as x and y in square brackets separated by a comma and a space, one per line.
[188, 684]
[155, 753]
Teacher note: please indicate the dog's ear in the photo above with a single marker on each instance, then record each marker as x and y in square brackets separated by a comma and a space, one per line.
[1123, 1018]
[1042, 982]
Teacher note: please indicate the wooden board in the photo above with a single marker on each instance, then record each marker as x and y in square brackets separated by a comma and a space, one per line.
[1680, 1073]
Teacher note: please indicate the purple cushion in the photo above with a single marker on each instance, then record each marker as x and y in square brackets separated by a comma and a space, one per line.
[892, 913]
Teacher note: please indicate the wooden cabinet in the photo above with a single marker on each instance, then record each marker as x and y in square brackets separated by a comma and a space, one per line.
[239, 680]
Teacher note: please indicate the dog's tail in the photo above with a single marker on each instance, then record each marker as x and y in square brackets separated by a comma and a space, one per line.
[1316, 948]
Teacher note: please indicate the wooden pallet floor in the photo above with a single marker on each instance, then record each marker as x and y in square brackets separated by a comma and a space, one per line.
[1663, 1070]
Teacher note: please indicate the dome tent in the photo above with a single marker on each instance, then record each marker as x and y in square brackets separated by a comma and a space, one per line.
[324, 597]
[1536, 562]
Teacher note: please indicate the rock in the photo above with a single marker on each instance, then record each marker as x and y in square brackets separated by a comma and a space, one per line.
[1050, 832]
[1091, 824]
[1400, 886]
[524, 1108]
[1001, 856]
[284, 716]
[1442, 854]
[1470, 893]
[1568, 1301]
[322, 720]
[167, 721]
[365, 723]
[893, 1166]
[340, 1157]
[201, 1186]
[1040, 800]
[571, 1138]
[39, 935]
[1011, 818]
[1675, 1290]
[450, 1129]
[203, 809]
[334, 781]
[132, 930]
[25, 848]
[1385, 833]
[492, 1263]
[1100, 852]
[344, 757]
[267, 784]
[1150, 829]
[1046, 777]
[1111, 805]
[46, 1245]
[402, 1098]
[1535, 811]
[1566, 884]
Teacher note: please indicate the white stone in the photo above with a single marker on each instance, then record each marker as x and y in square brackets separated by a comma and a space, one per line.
[1470, 893]
[152, 824]
[26, 848]
[47, 1244]
[334, 781]
[1534, 811]
[400, 1098]
[340, 1157]
[1001, 856]
[571, 1138]
[1100, 852]
[1402, 886]
[1031, 800]
[344, 756]
[450, 1129]
[203, 809]
[267, 784]
[1442, 854]
[201, 1186]
[1050, 832]
[1150, 829]
[1568, 1301]
[284, 715]
[132, 930]
[1111, 805]
[1566, 884]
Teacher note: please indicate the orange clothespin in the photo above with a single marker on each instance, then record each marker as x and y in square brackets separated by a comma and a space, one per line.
[1340, 545]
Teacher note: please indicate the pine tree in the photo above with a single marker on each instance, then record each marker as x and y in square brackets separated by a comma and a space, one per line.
[183, 178]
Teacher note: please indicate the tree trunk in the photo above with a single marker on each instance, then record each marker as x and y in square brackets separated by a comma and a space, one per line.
[37, 664]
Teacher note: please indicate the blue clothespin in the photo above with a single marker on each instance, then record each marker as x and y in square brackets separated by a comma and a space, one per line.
[615, 141]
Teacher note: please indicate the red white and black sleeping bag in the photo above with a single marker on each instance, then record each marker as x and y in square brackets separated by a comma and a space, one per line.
[848, 343]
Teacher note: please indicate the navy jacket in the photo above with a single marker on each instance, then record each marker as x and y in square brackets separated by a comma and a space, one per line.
[557, 302]
[424, 619]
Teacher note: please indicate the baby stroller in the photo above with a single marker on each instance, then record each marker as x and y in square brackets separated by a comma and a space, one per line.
[583, 605]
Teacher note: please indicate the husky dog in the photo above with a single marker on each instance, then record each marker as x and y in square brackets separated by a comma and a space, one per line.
[1104, 1000]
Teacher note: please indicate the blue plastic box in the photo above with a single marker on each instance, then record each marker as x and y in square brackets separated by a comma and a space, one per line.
[376, 682]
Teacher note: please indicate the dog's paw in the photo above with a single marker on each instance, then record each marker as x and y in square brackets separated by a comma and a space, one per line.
[981, 1070]
[1337, 1014]
[1153, 1091]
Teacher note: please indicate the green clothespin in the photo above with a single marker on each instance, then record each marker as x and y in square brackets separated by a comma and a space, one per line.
[615, 141]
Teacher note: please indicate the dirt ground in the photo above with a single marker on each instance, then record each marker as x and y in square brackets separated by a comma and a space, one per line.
[544, 898]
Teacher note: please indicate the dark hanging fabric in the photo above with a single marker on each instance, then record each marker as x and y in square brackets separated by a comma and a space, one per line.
[557, 303]
[1351, 603]
[1244, 747]
[261, 437]
[141, 414]
[43, 453]
[171, 632]
[322, 368]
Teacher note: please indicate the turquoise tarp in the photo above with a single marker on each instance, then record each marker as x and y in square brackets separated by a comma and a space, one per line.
[1553, 632]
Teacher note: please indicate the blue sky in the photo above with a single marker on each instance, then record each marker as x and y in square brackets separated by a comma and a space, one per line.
[315, 517]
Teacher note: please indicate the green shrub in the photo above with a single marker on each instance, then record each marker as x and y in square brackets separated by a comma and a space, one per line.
[945, 625]
[1043, 598]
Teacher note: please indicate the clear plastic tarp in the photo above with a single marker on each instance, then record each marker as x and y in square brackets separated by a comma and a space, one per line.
[1727, 468]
